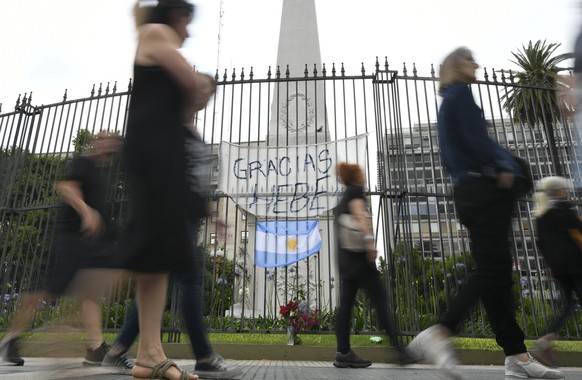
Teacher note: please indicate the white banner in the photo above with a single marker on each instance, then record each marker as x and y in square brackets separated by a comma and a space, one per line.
[293, 181]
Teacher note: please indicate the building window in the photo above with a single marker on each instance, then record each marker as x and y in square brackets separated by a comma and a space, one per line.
[212, 238]
[244, 236]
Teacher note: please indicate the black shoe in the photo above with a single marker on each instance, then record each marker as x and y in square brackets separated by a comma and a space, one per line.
[121, 361]
[10, 352]
[350, 360]
[216, 368]
[94, 357]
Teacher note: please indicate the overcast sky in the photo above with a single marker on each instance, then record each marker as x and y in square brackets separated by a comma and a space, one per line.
[50, 46]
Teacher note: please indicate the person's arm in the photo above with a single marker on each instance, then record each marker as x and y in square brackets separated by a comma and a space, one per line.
[69, 191]
[474, 133]
[359, 211]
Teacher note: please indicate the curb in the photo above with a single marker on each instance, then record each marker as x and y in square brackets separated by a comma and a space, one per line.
[287, 353]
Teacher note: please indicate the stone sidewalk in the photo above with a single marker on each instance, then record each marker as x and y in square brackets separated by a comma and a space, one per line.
[53, 369]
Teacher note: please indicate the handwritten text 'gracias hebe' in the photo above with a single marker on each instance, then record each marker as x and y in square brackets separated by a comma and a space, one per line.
[288, 197]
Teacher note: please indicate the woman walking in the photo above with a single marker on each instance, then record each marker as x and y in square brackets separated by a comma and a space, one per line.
[165, 94]
[559, 237]
[357, 268]
[484, 178]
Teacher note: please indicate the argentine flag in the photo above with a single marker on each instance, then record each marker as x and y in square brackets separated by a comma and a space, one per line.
[281, 243]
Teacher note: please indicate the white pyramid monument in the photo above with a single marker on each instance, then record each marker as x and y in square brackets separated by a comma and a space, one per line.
[298, 113]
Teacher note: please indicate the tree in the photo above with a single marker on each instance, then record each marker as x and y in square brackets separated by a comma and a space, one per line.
[535, 100]
[82, 142]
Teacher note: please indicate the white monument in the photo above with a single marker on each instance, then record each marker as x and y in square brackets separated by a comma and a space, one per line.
[298, 117]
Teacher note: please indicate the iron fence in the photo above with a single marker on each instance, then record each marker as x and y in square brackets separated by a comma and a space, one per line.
[423, 248]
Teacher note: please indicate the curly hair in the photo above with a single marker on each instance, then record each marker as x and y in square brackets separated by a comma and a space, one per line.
[350, 174]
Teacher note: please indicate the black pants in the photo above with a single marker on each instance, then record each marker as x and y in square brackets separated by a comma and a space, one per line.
[486, 210]
[569, 283]
[369, 280]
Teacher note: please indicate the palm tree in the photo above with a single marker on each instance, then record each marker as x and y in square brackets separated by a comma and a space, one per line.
[535, 100]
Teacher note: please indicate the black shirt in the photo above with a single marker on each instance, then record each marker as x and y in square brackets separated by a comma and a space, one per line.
[559, 249]
[351, 264]
[93, 187]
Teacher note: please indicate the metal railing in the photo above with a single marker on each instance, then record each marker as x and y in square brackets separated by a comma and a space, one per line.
[423, 247]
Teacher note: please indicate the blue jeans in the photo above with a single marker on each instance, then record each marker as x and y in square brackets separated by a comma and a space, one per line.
[191, 284]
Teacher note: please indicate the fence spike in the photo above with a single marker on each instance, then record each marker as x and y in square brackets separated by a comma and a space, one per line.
[414, 69]
[65, 96]
[315, 70]
[278, 72]
[363, 70]
[0, 107]
[107, 89]
[287, 73]
[511, 77]
[386, 63]
[432, 70]
[503, 75]
[251, 75]
[100, 89]
[130, 85]
[305, 72]
[485, 74]
[333, 69]
[93, 90]
[377, 64]
[17, 102]
[29, 98]
[404, 71]
[225, 76]
[233, 74]
[494, 75]
[323, 70]
[216, 76]
[242, 74]
[343, 71]
[269, 73]
[115, 87]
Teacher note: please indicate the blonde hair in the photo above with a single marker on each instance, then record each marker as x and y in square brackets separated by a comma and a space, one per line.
[547, 192]
[449, 70]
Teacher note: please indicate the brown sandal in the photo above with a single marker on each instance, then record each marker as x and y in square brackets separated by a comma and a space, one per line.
[160, 369]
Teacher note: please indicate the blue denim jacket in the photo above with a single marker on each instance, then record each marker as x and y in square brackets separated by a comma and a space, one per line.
[466, 148]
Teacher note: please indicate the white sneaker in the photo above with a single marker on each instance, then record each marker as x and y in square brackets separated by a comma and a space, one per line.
[430, 345]
[532, 369]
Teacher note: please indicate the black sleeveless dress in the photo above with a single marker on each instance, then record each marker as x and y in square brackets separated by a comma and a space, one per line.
[157, 236]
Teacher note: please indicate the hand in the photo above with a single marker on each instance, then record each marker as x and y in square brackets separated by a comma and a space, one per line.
[204, 90]
[92, 225]
[505, 180]
[371, 252]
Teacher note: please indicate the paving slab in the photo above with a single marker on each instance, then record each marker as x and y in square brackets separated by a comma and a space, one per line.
[72, 369]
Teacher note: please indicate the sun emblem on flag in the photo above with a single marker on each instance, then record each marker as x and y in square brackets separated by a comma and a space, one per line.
[292, 244]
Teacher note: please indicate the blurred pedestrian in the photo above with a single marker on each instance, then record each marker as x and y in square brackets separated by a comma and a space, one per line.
[190, 282]
[484, 177]
[166, 93]
[357, 267]
[574, 99]
[559, 232]
[83, 243]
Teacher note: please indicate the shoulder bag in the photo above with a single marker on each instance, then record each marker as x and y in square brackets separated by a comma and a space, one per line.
[350, 237]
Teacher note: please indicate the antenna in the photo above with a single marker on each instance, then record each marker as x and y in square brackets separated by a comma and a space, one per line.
[219, 33]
